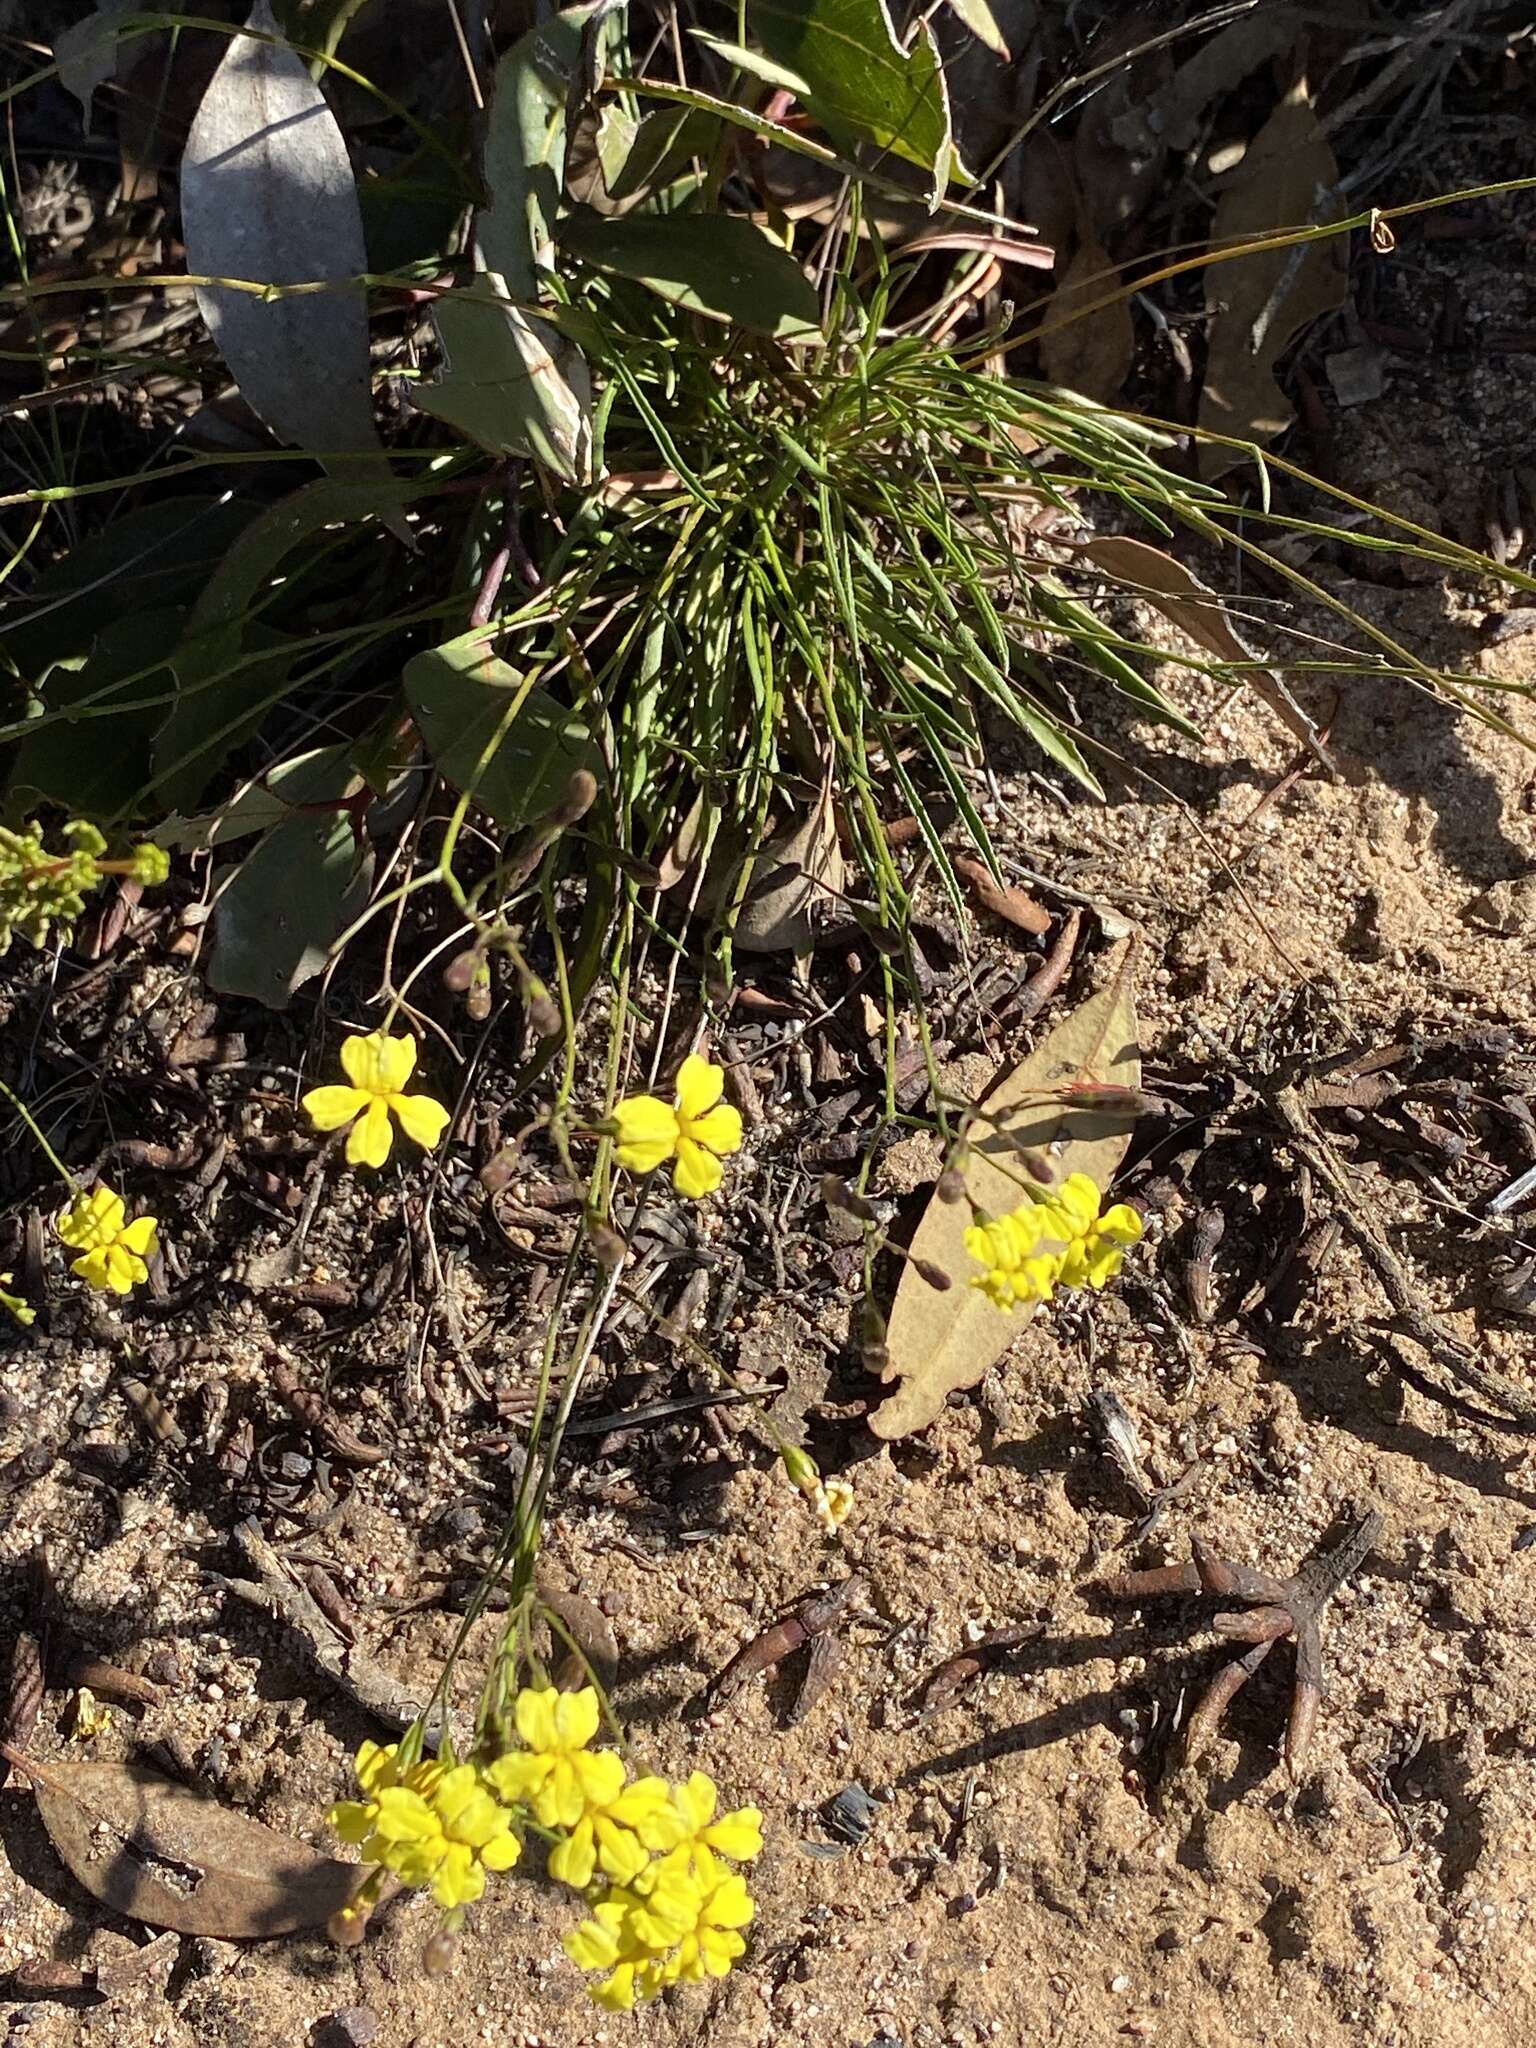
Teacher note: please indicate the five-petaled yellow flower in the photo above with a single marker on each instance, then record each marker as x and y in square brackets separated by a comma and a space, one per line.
[696, 1129]
[557, 1775]
[378, 1068]
[23, 1311]
[113, 1250]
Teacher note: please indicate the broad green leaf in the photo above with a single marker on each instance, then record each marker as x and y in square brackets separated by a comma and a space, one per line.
[510, 381]
[222, 702]
[512, 745]
[755, 64]
[297, 890]
[863, 86]
[716, 264]
[159, 555]
[268, 196]
[942, 1340]
[86, 53]
[96, 764]
[525, 151]
[665, 142]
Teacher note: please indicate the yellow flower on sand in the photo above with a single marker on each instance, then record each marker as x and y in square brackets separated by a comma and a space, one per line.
[23, 1311]
[556, 1774]
[617, 1835]
[738, 1835]
[681, 1928]
[1060, 1240]
[1096, 1250]
[696, 1129]
[378, 1068]
[113, 1250]
[431, 1824]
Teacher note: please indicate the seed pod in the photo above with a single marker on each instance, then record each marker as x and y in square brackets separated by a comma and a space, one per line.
[462, 970]
[580, 796]
[934, 1275]
[608, 1248]
[836, 1194]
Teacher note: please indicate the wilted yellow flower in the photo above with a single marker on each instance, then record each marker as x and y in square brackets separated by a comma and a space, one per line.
[556, 1774]
[1096, 1250]
[696, 1129]
[1021, 1254]
[833, 1503]
[23, 1311]
[378, 1068]
[114, 1250]
[430, 1824]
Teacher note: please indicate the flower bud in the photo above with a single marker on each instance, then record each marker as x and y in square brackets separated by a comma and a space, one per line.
[608, 1248]
[934, 1275]
[951, 1187]
[836, 1194]
[801, 1468]
[580, 796]
[149, 864]
[438, 1953]
[543, 1014]
[459, 975]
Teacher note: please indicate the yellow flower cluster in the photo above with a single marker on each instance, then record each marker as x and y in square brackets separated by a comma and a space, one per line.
[113, 1250]
[1055, 1240]
[430, 1823]
[377, 1068]
[648, 1854]
[696, 1129]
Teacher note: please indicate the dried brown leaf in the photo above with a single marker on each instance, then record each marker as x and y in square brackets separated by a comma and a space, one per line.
[164, 1854]
[1091, 351]
[1195, 609]
[793, 870]
[1012, 905]
[941, 1341]
[1258, 304]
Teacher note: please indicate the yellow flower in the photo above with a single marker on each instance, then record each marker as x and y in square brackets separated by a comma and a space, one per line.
[714, 1941]
[430, 1824]
[696, 1129]
[113, 1249]
[1021, 1254]
[378, 1069]
[556, 1774]
[738, 1835]
[833, 1503]
[23, 1311]
[680, 1927]
[618, 1835]
[1096, 1250]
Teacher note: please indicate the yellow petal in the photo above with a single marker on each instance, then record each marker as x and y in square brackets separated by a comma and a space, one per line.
[421, 1119]
[501, 1852]
[124, 1271]
[577, 1716]
[738, 1835]
[92, 1269]
[719, 1128]
[351, 1820]
[600, 1774]
[329, 1108]
[646, 1130]
[1121, 1224]
[700, 1084]
[376, 1064]
[370, 1138]
[519, 1776]
[141, 1236]
[697, 1173]
[1078, 1197]
[535, 1716]
[696, 1800]
[573, 1860]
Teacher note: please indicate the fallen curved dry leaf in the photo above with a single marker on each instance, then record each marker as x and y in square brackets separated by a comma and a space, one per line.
[943, 1340]
[161, 1853]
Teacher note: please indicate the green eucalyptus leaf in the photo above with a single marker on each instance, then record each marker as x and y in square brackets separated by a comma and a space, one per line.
[489, 731]
[96, 763]
[719, 265]
[297, 890]
[861, 84]
[510, 381]
[524, 156]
